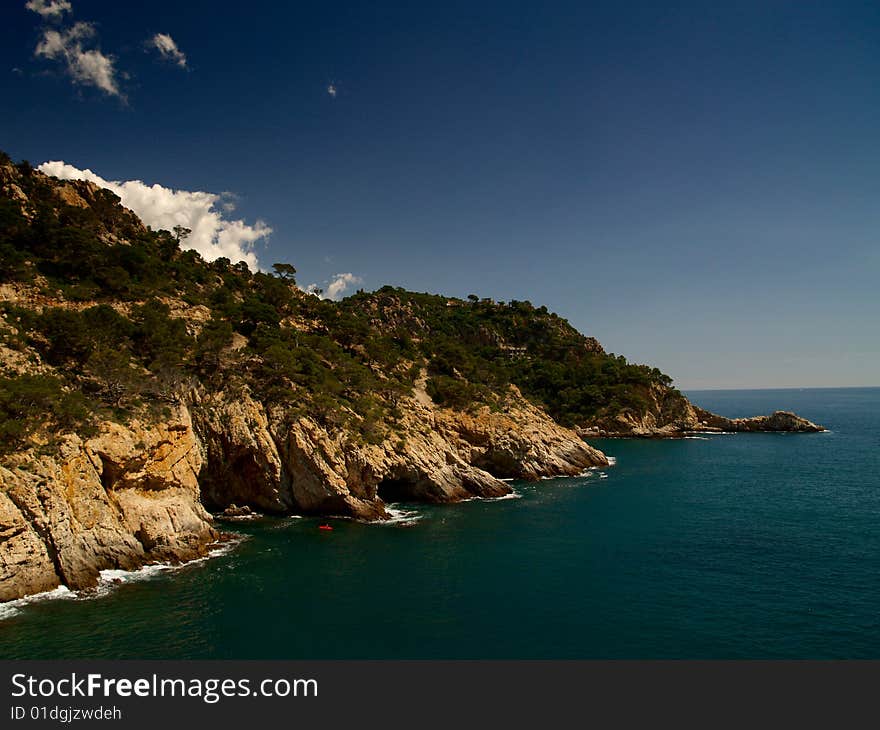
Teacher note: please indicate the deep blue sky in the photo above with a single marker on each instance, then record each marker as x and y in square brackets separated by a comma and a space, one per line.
[694, 184]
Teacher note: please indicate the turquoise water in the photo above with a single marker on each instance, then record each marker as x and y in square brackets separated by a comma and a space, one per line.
[737, 546]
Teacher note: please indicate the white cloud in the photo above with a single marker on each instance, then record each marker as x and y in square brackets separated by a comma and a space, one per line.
[167, 48]
[89, 67]
[212, 235]
[49, 8]
[336, 286]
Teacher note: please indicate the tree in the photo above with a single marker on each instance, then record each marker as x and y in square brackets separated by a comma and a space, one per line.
[171, 383]
[214, 337]
[284, 271]
[393, 391]
[67, 334]
[114, 372]
[181, 233]
[29, 402]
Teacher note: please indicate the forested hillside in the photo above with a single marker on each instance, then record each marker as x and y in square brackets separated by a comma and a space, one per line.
[104, 318]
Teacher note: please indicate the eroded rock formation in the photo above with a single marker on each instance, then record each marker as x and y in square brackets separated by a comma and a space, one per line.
[133, 494]
[126, 497]
[436, 455]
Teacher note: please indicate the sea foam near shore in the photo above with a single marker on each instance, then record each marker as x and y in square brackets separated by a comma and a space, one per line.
[401, 516]
[110, 579]
[13, 608]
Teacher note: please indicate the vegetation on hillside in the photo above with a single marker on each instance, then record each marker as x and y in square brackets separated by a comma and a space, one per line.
[128, 320]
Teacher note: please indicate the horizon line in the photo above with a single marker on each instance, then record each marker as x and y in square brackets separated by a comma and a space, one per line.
[784, 387]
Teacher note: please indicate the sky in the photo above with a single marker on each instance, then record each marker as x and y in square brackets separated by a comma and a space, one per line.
[694, 184]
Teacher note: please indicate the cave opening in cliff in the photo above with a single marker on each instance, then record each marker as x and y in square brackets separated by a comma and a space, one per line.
[395, 490]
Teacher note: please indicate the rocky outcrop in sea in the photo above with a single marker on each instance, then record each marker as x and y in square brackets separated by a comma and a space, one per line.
[670, 415]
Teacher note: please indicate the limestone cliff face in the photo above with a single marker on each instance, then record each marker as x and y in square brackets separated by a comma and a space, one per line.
[438, 455]
[125, 498]
[242, 465]
[666, 413]
[133, 494]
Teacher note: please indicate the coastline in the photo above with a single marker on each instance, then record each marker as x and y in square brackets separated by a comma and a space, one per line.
[551, 452]
[718, 534]
[111, 578]
[399, 515]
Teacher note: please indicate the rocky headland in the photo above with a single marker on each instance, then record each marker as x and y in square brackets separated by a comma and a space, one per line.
[143, 389]
[671, 415]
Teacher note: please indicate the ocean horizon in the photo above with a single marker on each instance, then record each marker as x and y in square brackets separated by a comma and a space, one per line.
[696, 391]
[748, 545]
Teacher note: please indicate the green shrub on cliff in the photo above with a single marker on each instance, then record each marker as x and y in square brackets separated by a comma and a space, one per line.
[29, 401]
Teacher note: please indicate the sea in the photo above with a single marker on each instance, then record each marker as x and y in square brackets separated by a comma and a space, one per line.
[728, 546]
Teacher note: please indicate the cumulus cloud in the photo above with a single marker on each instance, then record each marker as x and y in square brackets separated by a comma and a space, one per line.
[49, 8]
[212, 235]
[167, 48]
[340, 283]
[336, 286]
[88, 67]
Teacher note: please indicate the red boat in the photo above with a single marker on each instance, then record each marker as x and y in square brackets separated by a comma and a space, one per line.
[324, 527]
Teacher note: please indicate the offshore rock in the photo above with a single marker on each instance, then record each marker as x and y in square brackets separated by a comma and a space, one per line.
[779, 421]
[670, 415]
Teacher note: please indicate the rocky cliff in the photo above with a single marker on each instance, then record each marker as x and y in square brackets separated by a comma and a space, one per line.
[126, 497]
[134, 494]
[141, 387]
[257, 458]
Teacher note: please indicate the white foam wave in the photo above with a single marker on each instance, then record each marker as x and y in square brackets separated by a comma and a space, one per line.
[612, 460]
[400, 516]
[697, 438]
[108, 579]
[222, 548]
[603, 476]
[121, 576]
[510, 495]
[710, 433]
[12, 608]
[111, 578]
